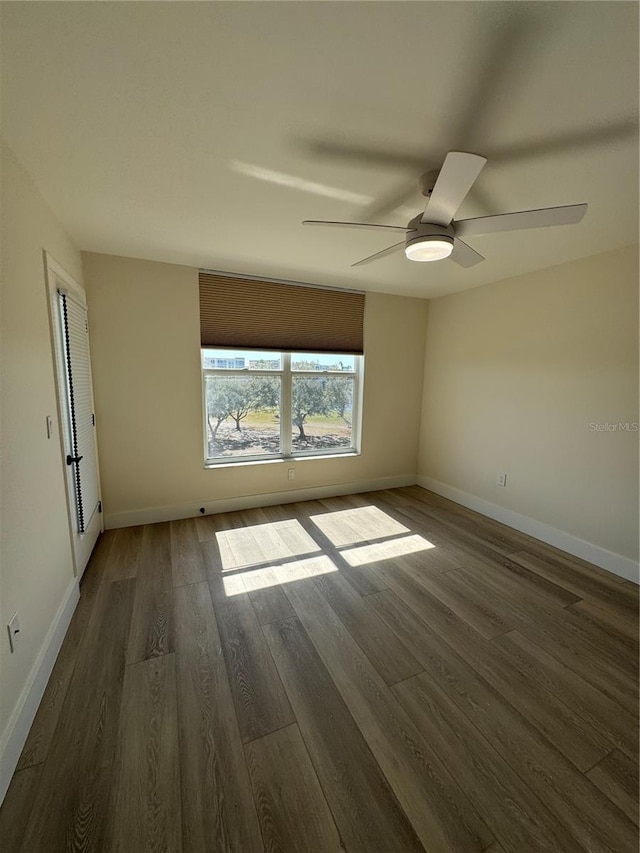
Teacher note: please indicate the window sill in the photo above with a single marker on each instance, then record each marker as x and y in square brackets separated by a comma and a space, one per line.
[289, 460]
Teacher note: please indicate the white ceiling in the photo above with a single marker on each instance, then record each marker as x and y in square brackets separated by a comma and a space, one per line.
[203, 133]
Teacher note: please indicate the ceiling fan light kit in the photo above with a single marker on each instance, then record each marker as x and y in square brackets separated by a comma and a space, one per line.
[429, 248]
[428, 242]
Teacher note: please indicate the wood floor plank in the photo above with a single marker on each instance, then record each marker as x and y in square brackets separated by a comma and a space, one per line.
[98, 565]
[569, 624]
[441, 814]
[206, 526]
[218, 811]
[15, 810]
[279, 538]
[537, 548]
[594, 654]
[588, 660]
[502, 568]
[617, 777]
[485, 554]
[239, 549]
[355, 525]
[216, 578]
[580, 582]
[363, 804]
[297, 540]
[609, 620]
[270, 604]
[146, 812]
[580, 741]
[151, 631]
[515, 815]
[614, 647]
[573, 800]
[615, 722]
[292, 810]
[260, 701]
[125, 553]
[454, 590]
[39, 739]
[391, 658]
[412, 550]
[187, 565]
[275, 545]
[342, 502]
[278, 528]
[70, 809]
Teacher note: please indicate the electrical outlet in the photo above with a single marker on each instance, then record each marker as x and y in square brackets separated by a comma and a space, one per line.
[291, 473]
[14, 632]
[501, 480]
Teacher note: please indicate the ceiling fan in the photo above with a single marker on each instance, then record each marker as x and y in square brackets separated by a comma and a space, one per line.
[434, 235]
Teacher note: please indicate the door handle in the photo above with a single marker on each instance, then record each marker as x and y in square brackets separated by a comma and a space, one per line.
[72, 459]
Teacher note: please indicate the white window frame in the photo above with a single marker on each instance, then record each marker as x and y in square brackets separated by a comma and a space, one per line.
[286, 375]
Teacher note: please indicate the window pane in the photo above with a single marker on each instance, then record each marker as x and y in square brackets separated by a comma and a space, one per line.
[224, 359]
[322, 362]
[243, 415]
[321, 412]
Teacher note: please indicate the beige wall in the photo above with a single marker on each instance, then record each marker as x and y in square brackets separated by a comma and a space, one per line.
[515, 374]
[144, 328]
[35, 551]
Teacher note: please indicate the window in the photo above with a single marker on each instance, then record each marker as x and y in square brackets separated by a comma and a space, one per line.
[281, 368]
[270, 405]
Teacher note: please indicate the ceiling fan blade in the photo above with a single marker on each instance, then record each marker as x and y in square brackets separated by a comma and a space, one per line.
[544, 218]
[464, 255]
[331, 224]
[457, 176]
[396, 247]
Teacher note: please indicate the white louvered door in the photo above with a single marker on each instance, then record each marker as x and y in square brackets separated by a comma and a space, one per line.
[78, 424]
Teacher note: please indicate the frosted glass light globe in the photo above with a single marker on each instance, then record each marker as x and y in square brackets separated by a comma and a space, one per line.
[429, 249]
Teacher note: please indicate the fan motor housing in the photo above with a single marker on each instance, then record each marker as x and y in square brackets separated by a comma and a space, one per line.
[428, 229]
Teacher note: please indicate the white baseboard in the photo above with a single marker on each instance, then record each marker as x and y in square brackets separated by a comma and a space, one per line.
[612, 562]
[15, 734]
[151, 515]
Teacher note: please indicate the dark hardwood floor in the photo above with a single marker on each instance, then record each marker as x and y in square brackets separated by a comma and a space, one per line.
[384, 672]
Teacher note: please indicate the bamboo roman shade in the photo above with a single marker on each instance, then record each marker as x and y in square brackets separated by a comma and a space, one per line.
[257, 314]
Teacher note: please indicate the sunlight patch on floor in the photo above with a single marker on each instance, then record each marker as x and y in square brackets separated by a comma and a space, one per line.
[386, 550]
[243, 547]
[296, 570]
[349, 526]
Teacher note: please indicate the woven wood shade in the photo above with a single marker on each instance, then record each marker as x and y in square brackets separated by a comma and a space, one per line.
[251, 314]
